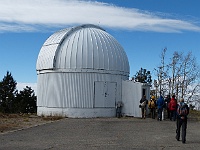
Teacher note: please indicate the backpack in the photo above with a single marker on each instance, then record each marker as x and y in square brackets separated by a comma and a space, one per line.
[152, 104]
[182, 110]
[143, 104]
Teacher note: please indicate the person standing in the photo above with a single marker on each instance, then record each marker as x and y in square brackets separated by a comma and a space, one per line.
[182, 113]
[143, 105]
[167, 100]
[160, 105]
[172, 108]
[119, 106]
[152, 107]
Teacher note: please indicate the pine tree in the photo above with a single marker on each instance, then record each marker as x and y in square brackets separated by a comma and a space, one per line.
[25, 101]
[7, 93]
[143, 76]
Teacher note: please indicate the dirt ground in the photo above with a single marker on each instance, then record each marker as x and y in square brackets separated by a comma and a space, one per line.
[10, 122]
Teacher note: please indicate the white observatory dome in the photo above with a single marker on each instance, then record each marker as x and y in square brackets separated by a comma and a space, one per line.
[83, 48]
[80, 72]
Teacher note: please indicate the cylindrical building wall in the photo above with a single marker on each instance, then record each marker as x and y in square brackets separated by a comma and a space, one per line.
[77, 90]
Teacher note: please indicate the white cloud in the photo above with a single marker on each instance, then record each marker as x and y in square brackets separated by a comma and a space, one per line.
[23, 15]
[21, 86]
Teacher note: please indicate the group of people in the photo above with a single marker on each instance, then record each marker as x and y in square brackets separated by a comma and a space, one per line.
[176, 111]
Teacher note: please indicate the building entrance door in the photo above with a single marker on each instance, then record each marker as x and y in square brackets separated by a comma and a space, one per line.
[105, 94]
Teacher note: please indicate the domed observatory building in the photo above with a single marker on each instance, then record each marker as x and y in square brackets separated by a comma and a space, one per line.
[80, 72]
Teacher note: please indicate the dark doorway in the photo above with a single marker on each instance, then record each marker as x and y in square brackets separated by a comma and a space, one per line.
[143, 92]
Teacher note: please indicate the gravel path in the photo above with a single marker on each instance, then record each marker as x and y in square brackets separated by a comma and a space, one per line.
[102, 134]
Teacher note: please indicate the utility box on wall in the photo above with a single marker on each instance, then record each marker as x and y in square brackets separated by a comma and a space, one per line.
[132, 92]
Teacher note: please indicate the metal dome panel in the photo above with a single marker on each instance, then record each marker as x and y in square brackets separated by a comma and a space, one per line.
[82, 48]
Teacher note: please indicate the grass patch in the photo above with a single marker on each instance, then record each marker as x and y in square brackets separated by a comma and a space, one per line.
[10, 122]
[194, 114]
[7, 126]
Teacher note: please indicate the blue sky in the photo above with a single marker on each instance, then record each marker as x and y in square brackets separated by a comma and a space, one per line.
[142, 27]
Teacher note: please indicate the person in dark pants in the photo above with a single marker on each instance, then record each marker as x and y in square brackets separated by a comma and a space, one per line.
[172, 108]
[152, 107]
[182, 112]
[119, 109]
[143, 106]
[160, 105]
[167, 100]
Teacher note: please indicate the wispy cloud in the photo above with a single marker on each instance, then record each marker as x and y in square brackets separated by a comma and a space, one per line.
[34, 15]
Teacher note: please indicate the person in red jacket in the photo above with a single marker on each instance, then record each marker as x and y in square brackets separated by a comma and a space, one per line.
[172, 108]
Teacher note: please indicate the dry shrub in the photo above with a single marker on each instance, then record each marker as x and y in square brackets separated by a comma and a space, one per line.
[5, 115]
[13, 116]
[53, 118]
[26, 119]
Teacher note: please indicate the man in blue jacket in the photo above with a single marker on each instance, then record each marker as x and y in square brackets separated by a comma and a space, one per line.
[160, 105]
